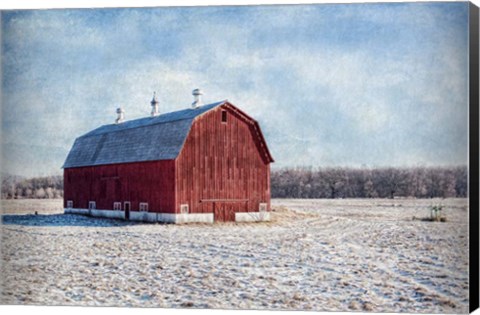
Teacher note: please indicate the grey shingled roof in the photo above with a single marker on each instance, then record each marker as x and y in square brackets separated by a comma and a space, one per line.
[144, 139]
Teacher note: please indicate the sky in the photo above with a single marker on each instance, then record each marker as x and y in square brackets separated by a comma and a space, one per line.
[355, 85]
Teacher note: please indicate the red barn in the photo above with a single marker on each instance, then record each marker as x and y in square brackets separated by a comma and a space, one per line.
[202, 164]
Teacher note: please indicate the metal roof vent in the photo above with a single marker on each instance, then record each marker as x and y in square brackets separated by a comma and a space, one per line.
[121, 116]
[154, 103]
[197, 93]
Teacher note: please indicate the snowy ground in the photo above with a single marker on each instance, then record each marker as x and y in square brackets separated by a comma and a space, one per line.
[324, 255]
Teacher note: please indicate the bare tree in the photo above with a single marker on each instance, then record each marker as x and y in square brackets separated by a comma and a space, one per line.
[18, 187]
[419, 182]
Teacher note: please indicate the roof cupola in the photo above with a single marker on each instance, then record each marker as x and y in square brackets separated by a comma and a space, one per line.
[121, 115]
[197, 94]
[154, 104]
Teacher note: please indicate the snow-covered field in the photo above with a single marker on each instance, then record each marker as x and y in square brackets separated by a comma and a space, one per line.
[324, 255]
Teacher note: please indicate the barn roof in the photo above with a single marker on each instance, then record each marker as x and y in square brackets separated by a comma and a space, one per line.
[145, 139]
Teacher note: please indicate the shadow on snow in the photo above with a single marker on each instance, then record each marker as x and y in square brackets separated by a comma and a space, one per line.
[63, 220]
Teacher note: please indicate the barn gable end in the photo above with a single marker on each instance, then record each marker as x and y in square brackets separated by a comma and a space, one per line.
[223, 167]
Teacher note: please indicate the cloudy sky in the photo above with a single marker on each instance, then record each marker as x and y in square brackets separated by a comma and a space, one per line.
[331, 85]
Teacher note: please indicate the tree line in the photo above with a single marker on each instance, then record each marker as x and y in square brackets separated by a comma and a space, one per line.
[335, 182]
[15, 187]
[388, 182]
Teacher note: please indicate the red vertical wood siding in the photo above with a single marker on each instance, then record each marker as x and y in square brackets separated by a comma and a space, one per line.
[152, 182]
[222, 161]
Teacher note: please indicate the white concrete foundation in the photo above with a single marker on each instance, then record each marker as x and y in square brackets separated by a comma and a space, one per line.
[252, 216]
[146, 216]
[177, 218]
[194, 217]
[112, 214]
[143, 216]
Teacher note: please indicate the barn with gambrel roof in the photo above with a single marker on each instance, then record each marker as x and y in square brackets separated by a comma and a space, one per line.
[206, 163]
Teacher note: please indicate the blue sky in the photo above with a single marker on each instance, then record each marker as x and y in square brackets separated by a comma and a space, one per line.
[331, 85]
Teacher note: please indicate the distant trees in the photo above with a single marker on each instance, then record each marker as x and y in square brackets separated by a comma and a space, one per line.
[14, 187]
[333, 182]
[389, 182]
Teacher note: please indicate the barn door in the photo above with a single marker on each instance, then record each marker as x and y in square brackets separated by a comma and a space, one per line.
[126, 206]
[223, 212]
[229, 213]
[217, 212]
